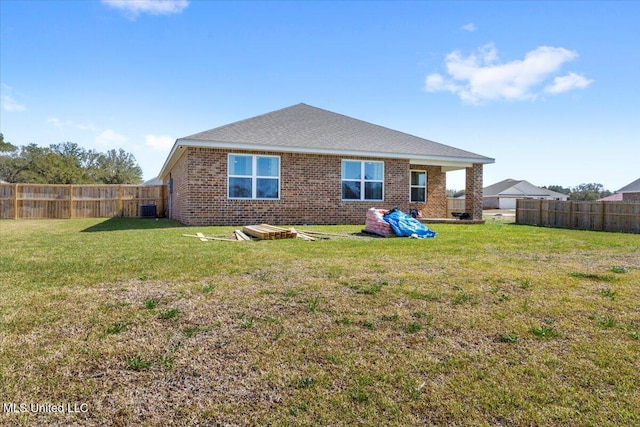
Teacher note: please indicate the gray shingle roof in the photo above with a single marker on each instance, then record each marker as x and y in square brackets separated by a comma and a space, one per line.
[304, 127]
[631, 188]
[517, 188]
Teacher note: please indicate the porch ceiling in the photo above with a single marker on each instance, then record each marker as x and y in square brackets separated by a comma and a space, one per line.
[447, 165]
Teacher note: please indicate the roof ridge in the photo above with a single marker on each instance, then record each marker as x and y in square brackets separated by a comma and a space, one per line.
[243, 120]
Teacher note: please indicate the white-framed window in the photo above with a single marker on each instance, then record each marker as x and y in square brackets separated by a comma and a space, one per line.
[418, 186]
[362, 180]
[253, 177]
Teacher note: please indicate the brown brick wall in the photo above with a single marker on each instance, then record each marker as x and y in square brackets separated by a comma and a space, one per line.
[436, 206]
[178, 199]
[473, 191]
[631, 197]
[310, 191]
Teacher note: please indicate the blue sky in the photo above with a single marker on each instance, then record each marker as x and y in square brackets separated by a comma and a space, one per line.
[548, 89]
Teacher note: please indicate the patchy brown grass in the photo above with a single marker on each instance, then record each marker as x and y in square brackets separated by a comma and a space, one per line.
[485, 325]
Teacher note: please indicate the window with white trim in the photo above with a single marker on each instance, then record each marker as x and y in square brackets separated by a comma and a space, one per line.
[362, 180]
[418, 186]
[253, 177]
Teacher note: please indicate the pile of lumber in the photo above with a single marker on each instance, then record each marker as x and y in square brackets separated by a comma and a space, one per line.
[260, 232]
[269, 232]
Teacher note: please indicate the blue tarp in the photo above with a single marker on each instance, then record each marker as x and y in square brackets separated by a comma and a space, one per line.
[406, 226]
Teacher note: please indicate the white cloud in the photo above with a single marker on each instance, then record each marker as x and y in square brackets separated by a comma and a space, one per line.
[435, 82]
[470, 27]
[566, 83]
[158, 142]
[56, 122]
[69, 123]
[482, 76]
[152, 7]
[9, 103]
[109, 137]
[86, 126]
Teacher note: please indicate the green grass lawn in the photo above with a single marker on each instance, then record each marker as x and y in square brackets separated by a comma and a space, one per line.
[494, 324]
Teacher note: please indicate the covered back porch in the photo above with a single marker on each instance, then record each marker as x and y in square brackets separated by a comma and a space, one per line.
[437, 207]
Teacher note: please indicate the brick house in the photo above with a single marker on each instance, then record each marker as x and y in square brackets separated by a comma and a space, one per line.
[305, 165]
[503, 194]
[631, 192]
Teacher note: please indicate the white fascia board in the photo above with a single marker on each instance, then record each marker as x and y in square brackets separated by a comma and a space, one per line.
[447, 165]
[455, 168]
[454, 162]
[170, 161]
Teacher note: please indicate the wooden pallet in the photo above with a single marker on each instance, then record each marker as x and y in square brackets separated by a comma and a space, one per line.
[268, 232]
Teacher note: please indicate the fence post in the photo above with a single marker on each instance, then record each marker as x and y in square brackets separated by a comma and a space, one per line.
[570, 221]
[120, 201]
[15, 201]
[71, 202]
[602, 216]
[540, 213]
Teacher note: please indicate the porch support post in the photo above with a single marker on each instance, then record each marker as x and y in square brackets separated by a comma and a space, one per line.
[473, 191]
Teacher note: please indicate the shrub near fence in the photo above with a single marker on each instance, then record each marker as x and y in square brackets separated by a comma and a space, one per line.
[599, 216]
[37, 201]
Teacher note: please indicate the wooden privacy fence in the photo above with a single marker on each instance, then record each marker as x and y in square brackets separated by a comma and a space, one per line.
[32, 201]
[601, 216]
[455, 205]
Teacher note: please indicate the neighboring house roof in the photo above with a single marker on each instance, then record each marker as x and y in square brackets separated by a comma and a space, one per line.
[616, 197]
[518, 188]
[153, 181]
[634, 187]
[306, 129]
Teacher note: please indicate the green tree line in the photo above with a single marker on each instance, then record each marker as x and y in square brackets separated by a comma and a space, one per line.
[582, 192]
[66, 163]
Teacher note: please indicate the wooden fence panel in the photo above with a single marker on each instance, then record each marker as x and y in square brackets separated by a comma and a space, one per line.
[95, 192]
[455, 205]
[77, 201]
[528, 211]
[598, 216]
[7, 201]
[622, 216]
[564, 213]
[586, 216]
[96, 208]
[43, 208]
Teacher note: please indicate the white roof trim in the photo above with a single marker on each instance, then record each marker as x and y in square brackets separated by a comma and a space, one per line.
[169, 162]
[458, 162]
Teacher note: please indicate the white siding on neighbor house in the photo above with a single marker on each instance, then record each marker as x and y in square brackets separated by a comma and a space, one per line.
[503, 195]
[507, 203]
